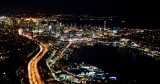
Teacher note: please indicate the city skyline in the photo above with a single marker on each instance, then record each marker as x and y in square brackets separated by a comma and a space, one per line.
[79, 42]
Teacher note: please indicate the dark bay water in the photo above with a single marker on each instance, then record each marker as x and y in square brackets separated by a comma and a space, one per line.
[125, 63]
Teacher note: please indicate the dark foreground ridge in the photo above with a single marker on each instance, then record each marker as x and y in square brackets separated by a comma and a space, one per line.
[18, 50]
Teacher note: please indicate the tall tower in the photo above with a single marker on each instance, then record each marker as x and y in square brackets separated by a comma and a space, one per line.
[104, 27]
[61, 28]
[58, 27]
[75, 25]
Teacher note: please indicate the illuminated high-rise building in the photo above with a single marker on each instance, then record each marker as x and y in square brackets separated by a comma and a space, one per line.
[61, 28]
[104, 27]
[31, 23]
[23, 23]
[12, 22]
[104, 24]
[52, 26]
[75, 25]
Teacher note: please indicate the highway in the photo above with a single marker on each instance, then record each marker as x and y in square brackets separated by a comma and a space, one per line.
[53, 61]
[33, 73]
[66, 48]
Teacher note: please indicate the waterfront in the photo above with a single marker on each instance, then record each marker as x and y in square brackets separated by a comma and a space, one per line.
[125, 63]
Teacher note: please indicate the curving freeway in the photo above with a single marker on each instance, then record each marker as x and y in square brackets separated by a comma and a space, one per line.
[33, 73]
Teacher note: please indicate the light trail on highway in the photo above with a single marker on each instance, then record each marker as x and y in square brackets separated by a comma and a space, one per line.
[66, 48]
[33, 73]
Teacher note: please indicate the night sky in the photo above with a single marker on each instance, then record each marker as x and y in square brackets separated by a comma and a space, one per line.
[83, 6]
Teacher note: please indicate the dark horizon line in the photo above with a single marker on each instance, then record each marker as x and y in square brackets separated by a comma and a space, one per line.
[84, 12]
